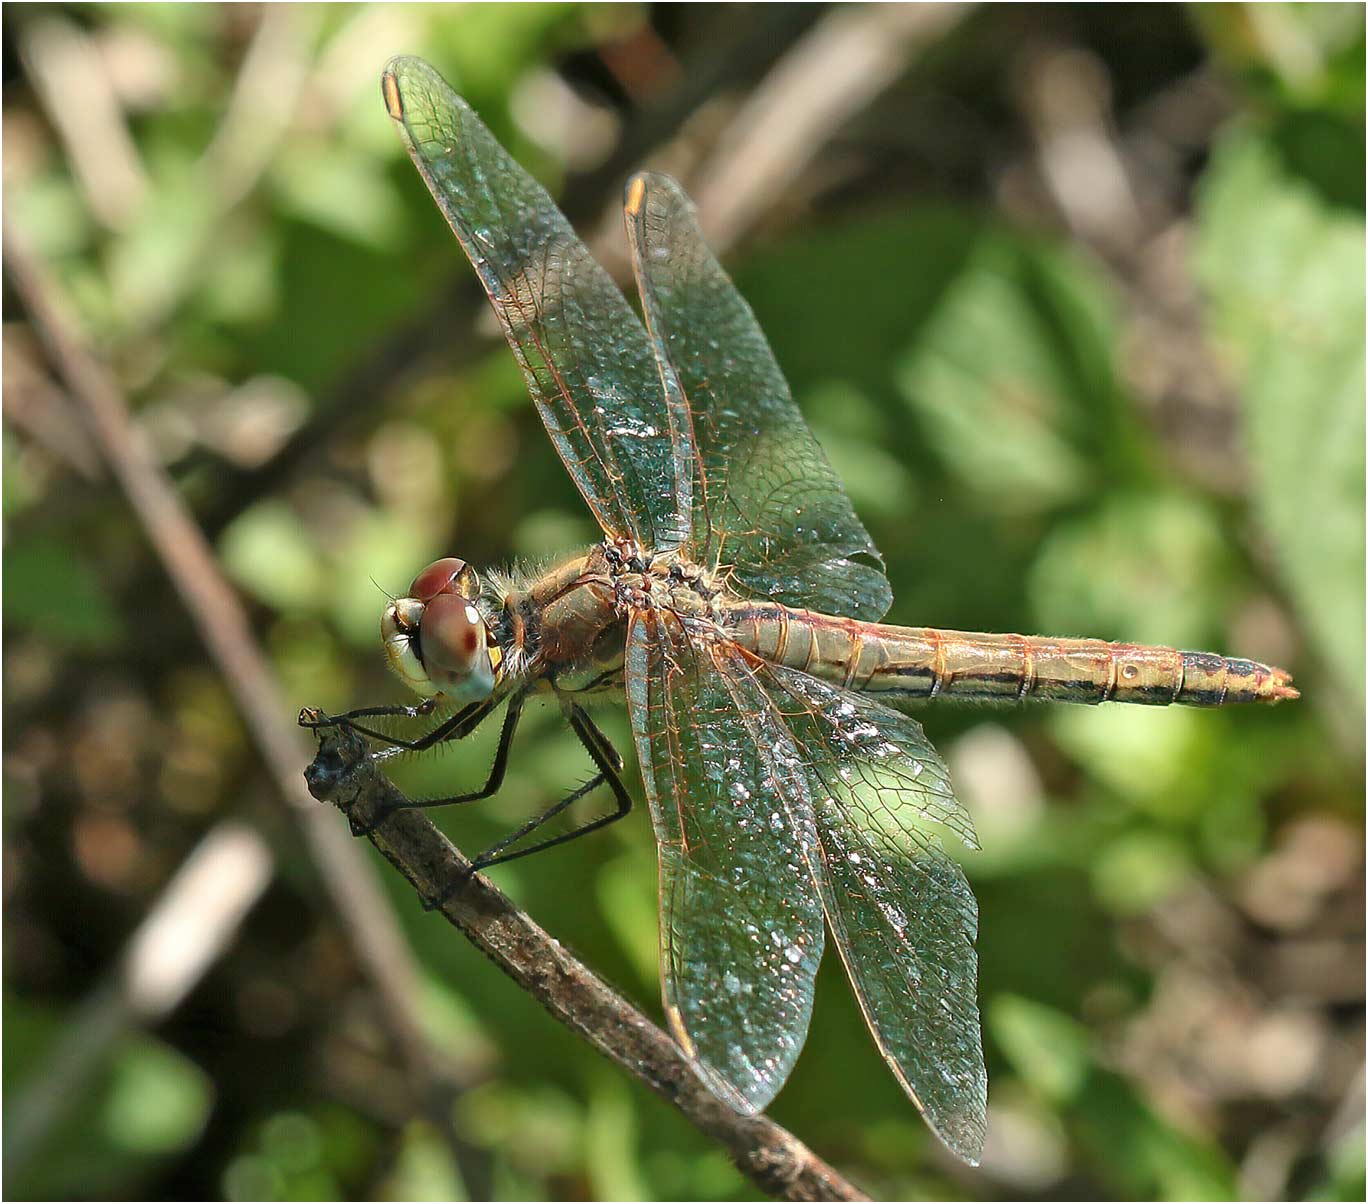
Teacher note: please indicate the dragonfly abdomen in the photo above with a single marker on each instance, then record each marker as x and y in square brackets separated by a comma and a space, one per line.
[925, 663]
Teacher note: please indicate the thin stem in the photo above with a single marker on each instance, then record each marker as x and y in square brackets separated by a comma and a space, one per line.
[213, 606]
[343, 774]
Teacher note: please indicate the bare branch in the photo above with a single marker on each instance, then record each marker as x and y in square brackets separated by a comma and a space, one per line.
[366, 915]
[80, 100]
[262, 107]
[183, 933]
[848, 58]
[344, 774]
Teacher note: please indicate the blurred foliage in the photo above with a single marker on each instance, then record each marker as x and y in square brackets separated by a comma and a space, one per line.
[1284, 272]
[150, 1104]
[1156, 437]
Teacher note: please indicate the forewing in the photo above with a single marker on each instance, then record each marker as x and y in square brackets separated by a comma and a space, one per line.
[768, 503]
[740, 918]
[585, 356]
[902, 914]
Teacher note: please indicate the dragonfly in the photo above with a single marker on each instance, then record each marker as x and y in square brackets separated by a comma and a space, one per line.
[736, 603]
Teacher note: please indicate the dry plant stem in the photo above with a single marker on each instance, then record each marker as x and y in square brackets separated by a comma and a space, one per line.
[79, 98]
[366, 914]
[848, 58]
[773, 1158]
[183, 933]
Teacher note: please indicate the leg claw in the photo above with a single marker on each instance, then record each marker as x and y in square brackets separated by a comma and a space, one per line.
[314, 718]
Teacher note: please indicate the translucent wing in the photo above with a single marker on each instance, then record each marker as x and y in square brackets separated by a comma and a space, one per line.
[768, 503]
[768, 789]
[902, 914]
[740, 920]
[585, 356]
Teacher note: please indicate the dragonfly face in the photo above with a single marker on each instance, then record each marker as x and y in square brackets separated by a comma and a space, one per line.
[437, 640]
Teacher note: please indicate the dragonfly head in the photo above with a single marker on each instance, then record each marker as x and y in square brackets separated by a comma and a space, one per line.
[436, 638]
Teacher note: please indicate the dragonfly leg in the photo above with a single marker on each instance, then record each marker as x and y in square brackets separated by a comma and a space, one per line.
[313, 718]
[609, 765]
[458, 727]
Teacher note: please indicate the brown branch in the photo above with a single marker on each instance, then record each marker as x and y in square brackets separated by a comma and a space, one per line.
[344, 774]
[185, 931]
[846, 60]
[73, 84]
[367, 917]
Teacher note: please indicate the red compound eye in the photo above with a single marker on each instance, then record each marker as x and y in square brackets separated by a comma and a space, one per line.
[452, 637]
[446, 576]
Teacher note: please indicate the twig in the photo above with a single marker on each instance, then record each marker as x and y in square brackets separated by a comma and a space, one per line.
[367, 916]
[261, 110]
[833, 72]
[80, 100]
[36, 406]
[1066, 98]
[180, 937]
[344, 774]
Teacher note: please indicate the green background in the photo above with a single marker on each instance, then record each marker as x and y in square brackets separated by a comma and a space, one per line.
[1075, 304]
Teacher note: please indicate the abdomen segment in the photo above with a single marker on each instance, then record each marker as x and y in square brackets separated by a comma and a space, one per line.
[911, 663]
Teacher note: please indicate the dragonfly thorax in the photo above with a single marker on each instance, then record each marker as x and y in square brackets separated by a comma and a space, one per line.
[667, 581]
[436, 638]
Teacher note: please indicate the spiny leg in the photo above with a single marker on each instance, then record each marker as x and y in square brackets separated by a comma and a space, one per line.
[457, 728]
[313, 718]
[609, 765]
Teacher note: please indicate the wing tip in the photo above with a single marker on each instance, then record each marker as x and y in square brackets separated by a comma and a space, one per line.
[406, 77]
[964, 1138]
[729, 1093]
[962, 1132]
[714, 1079]
[641, 182]
[389, 89]
[634, 194]
[401, 67]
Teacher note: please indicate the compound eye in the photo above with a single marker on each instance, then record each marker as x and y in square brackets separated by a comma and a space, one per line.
[446, 576]
[452, 637]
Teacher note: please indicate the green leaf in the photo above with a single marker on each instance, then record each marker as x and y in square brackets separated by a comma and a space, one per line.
[1046, 1048]
[160, 258]
[425, 1168]
[1284, 277]
[146, 1104]
[1012, 377]
[50, 590]
[1142, 566]
[1292, 56]
[611, 1134]
[266, 552]
[630, 912]
[1140, 870]
[338, 188]
[1138, 753]
[1133, 1149]
[158, 1100]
